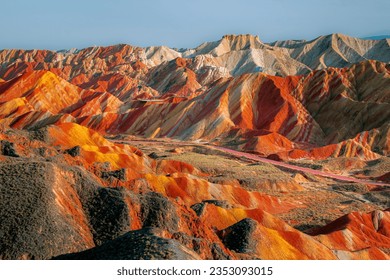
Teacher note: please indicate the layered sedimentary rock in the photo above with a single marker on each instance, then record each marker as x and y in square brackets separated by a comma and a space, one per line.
[328, 113]
[356, 232]
[69, 192]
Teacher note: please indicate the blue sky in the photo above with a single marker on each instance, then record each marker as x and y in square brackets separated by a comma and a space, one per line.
[51, 24]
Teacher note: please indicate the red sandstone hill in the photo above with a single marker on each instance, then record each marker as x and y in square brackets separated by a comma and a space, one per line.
[328, 113]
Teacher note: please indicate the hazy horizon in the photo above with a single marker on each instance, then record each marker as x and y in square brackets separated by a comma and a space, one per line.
[45, 24]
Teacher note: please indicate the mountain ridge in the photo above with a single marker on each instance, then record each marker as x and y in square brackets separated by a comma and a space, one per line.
[303, 56]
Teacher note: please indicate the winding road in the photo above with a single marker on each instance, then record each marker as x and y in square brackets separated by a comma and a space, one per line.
[299, 168]
[261, 159]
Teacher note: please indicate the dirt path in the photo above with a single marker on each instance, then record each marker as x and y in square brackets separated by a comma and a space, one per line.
[261, 159]
[298, 168]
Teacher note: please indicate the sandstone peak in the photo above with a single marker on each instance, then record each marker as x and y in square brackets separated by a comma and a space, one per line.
[232, 37]
[242, 41]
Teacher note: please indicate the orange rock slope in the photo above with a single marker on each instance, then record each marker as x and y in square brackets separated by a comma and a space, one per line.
[357, 232]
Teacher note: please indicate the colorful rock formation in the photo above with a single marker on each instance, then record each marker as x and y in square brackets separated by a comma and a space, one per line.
[74, 186]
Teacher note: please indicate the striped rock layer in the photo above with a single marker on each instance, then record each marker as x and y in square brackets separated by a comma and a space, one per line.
[336, 112]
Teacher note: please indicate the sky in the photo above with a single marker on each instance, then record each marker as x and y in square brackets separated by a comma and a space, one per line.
[56, 24]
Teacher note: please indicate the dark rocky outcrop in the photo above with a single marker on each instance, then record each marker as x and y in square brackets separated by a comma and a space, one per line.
[238, 237]
[141, 244]
[35, 208]
[74, 152]
[119, 174]
[153, 155]
[199, 207]
[8, 149]
[158, 211]
[108, 214]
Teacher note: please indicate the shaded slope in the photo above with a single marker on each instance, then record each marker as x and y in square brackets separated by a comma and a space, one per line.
[136, 245]
[40, 215]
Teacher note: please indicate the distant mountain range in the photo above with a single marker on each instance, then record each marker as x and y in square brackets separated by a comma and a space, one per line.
[232, 55]
[379, 37]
